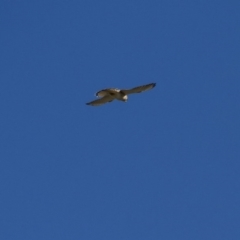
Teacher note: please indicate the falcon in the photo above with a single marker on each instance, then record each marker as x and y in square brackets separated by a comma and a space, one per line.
[110, 94]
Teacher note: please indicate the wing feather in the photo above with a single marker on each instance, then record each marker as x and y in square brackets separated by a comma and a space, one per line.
[102, 93]
[108, 91]
[139, 89]
[101, 101]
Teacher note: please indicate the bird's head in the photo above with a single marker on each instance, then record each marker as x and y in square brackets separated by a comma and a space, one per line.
[124, 99]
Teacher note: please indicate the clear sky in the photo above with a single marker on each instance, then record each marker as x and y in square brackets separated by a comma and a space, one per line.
[164, 165]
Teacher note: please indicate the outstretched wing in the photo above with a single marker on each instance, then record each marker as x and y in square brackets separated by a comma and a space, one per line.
[101, 101]
[108, 91]
[140, 88]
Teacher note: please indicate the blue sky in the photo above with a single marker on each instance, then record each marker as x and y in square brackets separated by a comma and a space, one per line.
[164, 165]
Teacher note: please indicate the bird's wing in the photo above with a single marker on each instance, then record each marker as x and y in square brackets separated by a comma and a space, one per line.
[102, 93]
[106, 92]
[101, 101]
[139, 89]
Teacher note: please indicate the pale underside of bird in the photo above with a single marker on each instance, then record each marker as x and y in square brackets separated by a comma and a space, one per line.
[110, 94]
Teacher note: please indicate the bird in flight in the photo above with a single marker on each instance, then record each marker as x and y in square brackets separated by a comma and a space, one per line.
[110, 94]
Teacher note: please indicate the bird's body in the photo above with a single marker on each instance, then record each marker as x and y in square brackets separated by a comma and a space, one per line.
[110, 94]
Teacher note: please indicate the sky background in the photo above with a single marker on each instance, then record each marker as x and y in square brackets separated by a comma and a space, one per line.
[164, 165]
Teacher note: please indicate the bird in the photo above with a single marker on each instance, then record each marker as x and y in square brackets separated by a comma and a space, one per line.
[110, 94]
